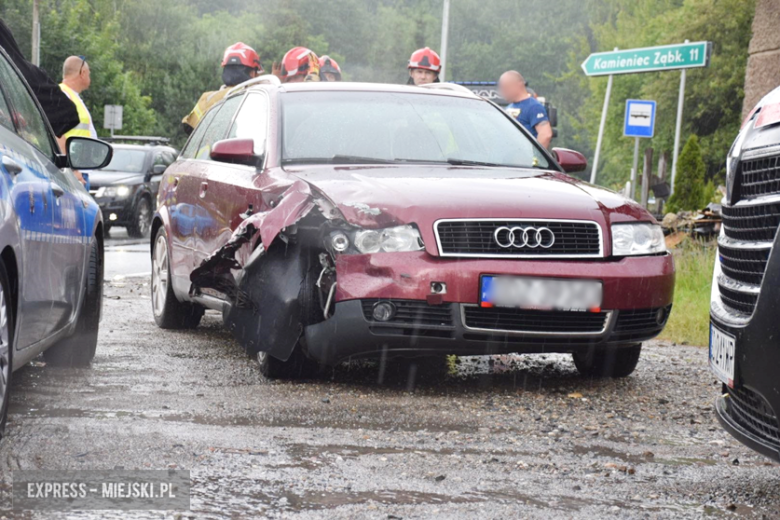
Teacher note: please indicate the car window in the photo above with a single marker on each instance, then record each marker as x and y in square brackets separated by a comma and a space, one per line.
[127, 160]
[197, 136]
[218, 128]
[252, 121]
[29, 122]
[401, 127]
[5, 114]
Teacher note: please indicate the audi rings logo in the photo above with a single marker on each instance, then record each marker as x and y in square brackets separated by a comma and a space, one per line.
[520, 238]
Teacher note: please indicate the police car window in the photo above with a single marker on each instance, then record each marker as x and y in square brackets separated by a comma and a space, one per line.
[29, 122]
[218, 128]
[197, 136]
[401, 127]
[252, 121]
[5, 113]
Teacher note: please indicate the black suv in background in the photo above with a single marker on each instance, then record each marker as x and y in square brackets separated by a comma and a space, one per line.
[744, 329]
[126, 189]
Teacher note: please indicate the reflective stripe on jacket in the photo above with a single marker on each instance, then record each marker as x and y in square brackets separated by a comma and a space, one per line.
[84, 128]
[206, 101]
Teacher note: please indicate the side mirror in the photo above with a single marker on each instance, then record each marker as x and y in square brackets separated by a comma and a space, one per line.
[158, 169]
[236, 151]
[570, 160]
[88, 154]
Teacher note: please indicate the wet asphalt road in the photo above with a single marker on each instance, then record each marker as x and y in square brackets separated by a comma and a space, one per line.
[496, 438]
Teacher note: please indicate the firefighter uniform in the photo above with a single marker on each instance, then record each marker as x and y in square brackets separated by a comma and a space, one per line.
[206, 101]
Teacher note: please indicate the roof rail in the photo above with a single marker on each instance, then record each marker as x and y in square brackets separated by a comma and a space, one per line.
[268, 79]
[449, 86]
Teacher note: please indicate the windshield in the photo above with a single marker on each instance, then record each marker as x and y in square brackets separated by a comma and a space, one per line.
[383, 127]
[127, 161]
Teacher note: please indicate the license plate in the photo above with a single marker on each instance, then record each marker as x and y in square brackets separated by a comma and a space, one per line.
[540, 293]
[722, 348]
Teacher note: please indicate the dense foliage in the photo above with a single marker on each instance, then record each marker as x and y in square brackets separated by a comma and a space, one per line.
[689, 188]
[156, 57]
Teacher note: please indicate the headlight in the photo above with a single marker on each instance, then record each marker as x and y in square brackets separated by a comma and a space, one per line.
[637, 239]
[389, 240]
[113, 191]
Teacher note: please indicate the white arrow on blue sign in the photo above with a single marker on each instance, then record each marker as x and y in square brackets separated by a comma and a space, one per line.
[640, 118]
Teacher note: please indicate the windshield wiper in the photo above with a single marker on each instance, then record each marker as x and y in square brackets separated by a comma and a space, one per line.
[466, 162]
[337, 159]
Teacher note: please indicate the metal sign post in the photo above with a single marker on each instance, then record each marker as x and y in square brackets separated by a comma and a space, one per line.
[677, 127]
[648, 59]
[601, 129]
[112, 117]
[639, 122]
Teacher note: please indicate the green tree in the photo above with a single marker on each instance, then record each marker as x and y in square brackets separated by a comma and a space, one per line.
[689, 188]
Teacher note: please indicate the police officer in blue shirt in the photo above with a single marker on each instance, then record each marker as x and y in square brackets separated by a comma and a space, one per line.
[524, 107]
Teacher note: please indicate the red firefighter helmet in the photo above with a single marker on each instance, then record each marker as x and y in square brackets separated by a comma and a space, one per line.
[300, 61]
[242, 54]
[329, 65]
[425, 59]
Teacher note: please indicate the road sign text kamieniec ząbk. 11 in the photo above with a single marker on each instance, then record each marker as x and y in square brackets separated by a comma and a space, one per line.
[648, 59]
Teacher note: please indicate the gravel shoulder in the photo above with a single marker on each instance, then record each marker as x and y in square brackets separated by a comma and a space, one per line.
[501, 437]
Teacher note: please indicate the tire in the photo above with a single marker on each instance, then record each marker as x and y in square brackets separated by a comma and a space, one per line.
[611, 362]
[169, 312]
[6, 341]
[141, 224]
[78, 350]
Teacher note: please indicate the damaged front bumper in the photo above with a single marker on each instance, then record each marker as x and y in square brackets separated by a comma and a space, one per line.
[429, 322]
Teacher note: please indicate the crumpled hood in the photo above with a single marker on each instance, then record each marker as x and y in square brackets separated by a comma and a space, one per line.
[99, 178]
[386, 195]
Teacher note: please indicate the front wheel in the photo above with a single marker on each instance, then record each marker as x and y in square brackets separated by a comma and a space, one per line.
[169, 313]
[297, 365]
[78, 350]
[141, 224]
[610, 362]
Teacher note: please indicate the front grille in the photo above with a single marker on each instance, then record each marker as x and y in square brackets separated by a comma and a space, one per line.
[739, 301]
[752, 412]
[759, 176]
[519, 320]
[476, 238]
[751, 223]
[640, 324]
[413, 312]
[743, 265]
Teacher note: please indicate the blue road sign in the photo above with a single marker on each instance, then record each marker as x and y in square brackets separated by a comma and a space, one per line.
[640, 118]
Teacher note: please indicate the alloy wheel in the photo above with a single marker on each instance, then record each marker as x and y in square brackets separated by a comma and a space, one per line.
[160, 275]
[5, 347]
[144, 217]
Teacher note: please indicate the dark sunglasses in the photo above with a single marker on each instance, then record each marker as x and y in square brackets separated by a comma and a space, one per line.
[83, 61]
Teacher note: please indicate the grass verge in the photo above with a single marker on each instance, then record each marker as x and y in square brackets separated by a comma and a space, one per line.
[690, 319]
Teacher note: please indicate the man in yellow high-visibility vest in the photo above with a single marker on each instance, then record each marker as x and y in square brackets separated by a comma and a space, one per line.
[75, 80]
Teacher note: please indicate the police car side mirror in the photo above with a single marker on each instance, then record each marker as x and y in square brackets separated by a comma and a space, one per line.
[569, 160]
[88, 154]
[236, 151]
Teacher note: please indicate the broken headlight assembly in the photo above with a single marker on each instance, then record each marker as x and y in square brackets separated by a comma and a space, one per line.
[398, 239]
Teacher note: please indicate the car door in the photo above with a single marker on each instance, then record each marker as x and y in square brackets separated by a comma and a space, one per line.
[26, 151]
[237, 193]
[213, 218]
[70, 238]
[180, 195]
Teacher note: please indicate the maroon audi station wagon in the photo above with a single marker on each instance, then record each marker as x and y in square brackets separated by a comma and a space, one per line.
[334, 221]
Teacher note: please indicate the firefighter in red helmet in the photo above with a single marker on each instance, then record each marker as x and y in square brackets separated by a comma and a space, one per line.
[329, 69]
[299, 64]
[424, 67]
[239, 64]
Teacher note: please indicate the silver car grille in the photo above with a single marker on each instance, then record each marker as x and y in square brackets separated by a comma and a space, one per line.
[749, 228]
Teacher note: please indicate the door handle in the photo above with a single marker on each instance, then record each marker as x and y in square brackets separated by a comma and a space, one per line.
[11, 166]
[204, 186]
[57, 190]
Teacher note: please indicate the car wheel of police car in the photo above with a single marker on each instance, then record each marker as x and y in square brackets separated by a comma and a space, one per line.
[610, 362]
[6, 340]
[169, 312]
[78, 350]
[142, 219]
